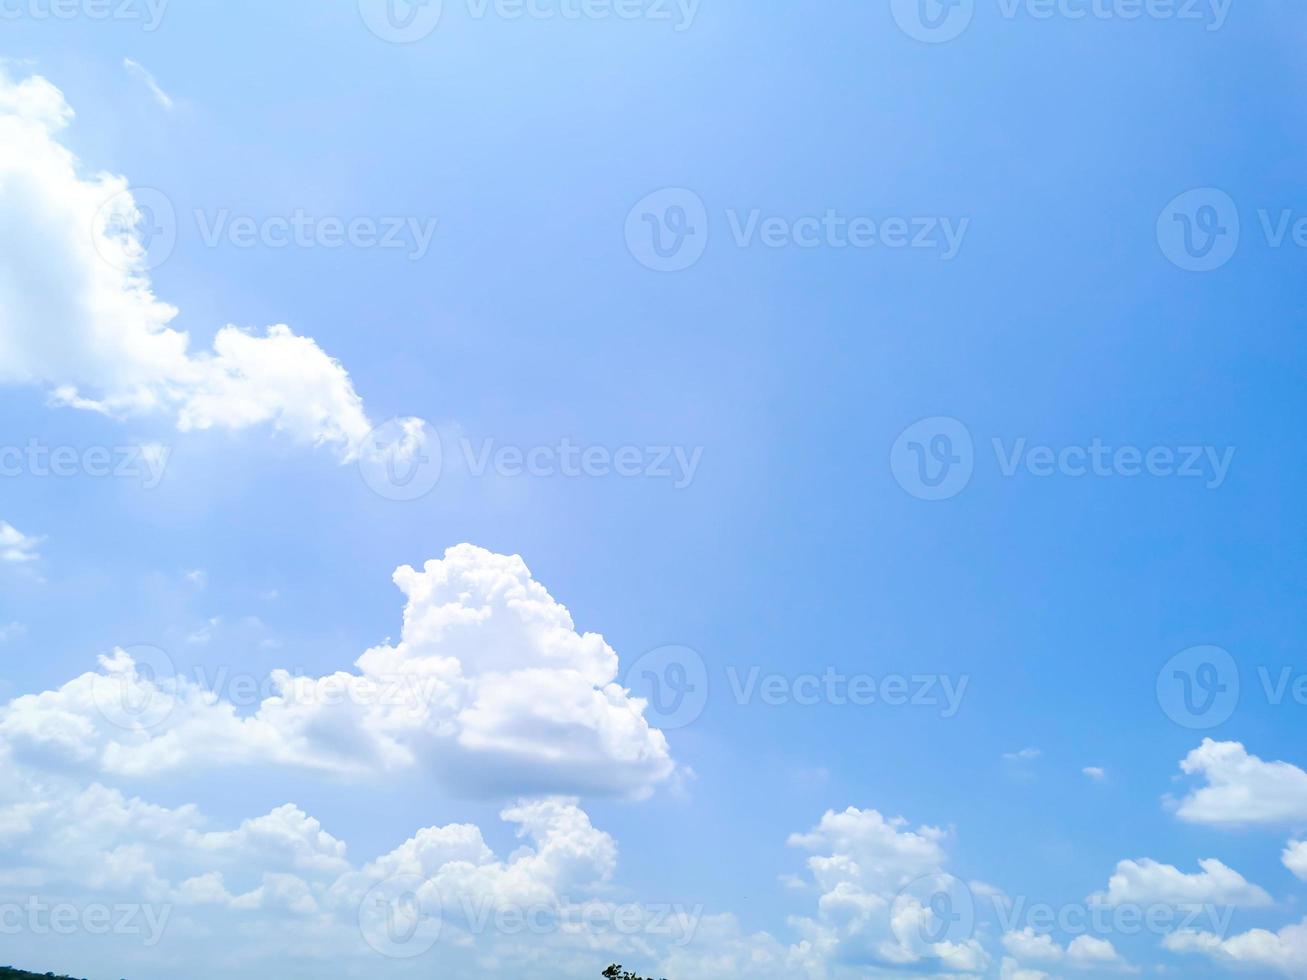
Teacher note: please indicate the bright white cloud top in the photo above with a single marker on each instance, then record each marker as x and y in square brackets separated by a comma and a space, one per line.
[490, 688]
[1241, 788]
[79, 316]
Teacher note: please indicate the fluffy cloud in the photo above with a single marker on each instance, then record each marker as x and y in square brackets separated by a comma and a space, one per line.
[1147, 882]
[17, 547]
[1242, 789]
[1295, 858]
[1284, 951]
[1092, 953]
[490, 689]
[281, 887]
[1029, 946]
[79, 317]
[1082, 953]
[1012, 970]
[880, 885]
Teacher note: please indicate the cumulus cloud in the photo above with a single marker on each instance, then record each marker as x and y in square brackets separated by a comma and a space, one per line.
[1092, 953]
[1295, 858]
[1242, 789]
[80, 319]
[490, 689]
[1146, 882]
[1284, 952]
[1026, 946]
[878, 879]
[282, 887]
[1029, 946]
[1010, 969]
[17, 547]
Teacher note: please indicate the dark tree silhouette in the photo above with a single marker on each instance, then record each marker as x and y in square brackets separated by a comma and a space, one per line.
[615, 972]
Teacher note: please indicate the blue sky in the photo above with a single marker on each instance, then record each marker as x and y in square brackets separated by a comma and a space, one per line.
[765, 394]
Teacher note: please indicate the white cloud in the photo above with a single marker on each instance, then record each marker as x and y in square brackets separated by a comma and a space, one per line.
[1284, 951]
[1025, 755]
[1146, 882]
[1242, 789]
[145, 75]
[871, 910]
[11, 631]
[1090, 952]
[1031, 947]
[79, 317]
[17, 547]
[1295, 858]
[280, 888]
[1083, 953]
[490, 689]
[1095, 773]
[1012, 970]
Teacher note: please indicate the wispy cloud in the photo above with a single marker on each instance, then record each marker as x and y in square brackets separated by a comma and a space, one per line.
[1025, 755]
[17, 547]
[144, 74]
